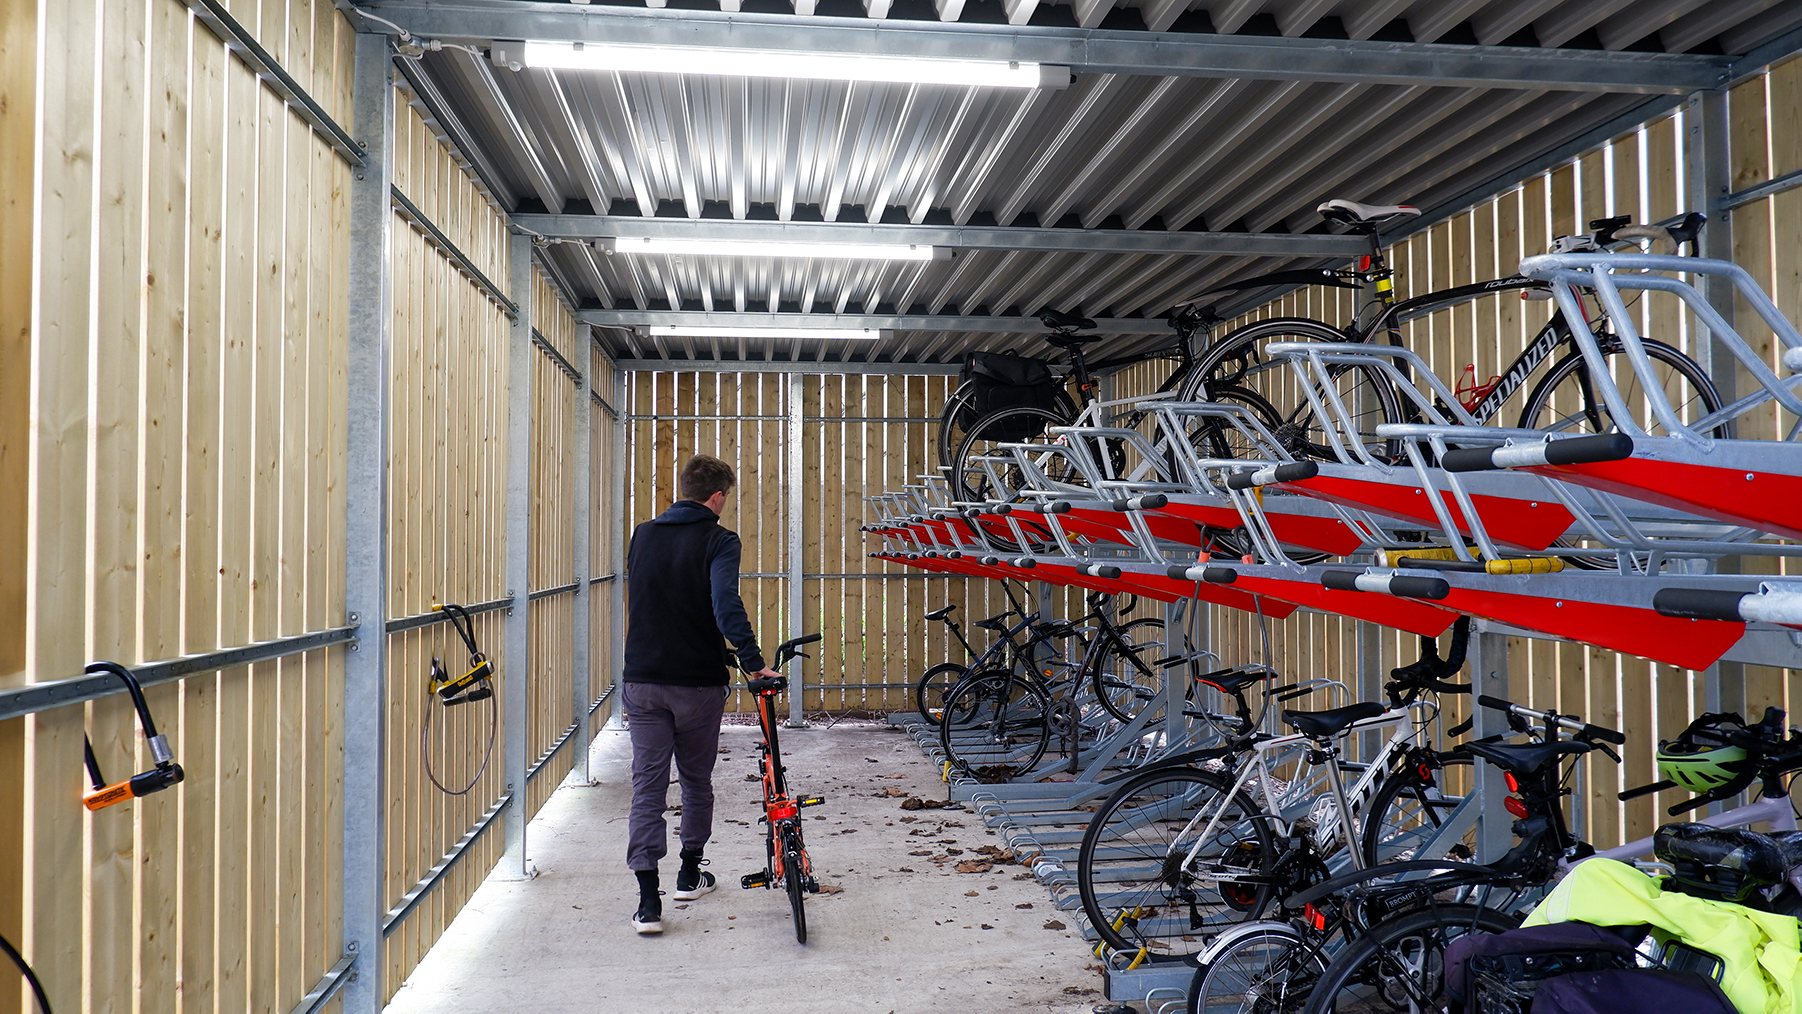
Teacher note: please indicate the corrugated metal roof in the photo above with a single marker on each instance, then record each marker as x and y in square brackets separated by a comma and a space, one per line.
[1111, 151]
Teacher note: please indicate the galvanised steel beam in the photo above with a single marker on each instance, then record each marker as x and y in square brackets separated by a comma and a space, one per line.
[367, 364]
[515, 700]
[1082, 50]
[582, 635]
[965, 237]
[891, 322]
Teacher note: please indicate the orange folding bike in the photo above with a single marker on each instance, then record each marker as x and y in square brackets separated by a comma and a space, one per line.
[785, 855]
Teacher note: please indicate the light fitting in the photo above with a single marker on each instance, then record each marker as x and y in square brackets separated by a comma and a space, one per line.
[760, 248]
[788, 64]
[828, 333]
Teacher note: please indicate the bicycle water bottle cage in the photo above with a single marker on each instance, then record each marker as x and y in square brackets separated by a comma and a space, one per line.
[164, 774]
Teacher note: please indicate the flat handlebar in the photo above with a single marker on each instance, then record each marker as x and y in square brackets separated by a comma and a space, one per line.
[1575, 725]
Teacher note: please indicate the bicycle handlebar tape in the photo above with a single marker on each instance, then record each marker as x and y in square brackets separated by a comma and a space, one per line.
[1149, 502]
[1699, 604]
[1100, 570]
[1202, 572]
[1411, 586]
[1570, 451]
[1289, 471]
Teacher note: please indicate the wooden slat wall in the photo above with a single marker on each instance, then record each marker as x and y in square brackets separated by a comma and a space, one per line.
[862, 434]
[174, 376]
[1638, 174]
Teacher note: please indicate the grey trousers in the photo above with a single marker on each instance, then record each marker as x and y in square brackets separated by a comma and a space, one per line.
[680, 723]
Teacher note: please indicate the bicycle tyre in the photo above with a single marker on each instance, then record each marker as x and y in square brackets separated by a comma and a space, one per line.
[970, 483]
[1125, 690]
[1406, 811]
[794, 875]
[951, 434]
[1270, 969]
[997, 725]
[934, 685]
[1129, 866]
[1399, 964]
[1236, 360]
[1539, 412]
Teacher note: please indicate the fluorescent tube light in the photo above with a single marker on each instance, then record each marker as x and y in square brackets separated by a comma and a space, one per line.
[757, 63]
[754, 248]
[829, 333]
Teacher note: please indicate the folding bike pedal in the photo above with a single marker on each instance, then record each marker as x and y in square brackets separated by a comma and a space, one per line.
[810, 800]
[751, 880]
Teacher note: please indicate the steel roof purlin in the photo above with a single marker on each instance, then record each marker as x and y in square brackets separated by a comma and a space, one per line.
[1162, 54]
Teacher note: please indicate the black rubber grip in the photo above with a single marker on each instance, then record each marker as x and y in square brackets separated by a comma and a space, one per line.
[1001, 508]
[1605, 735]
[1055, 507]
[1148, 502]
[1494, 702]
[990, 561]
[1340, 580]
[1646, 790]
[1179, 572]
[1239, 480]
[1587, 450]
[1109, 572]
[1220, 575]
[1296, 471]
[1698, 604]
[1468, 459]
[1419, 587]
[809, 639]
[1026, 563]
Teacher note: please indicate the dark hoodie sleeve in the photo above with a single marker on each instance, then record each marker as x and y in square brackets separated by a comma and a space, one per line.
[728, 609]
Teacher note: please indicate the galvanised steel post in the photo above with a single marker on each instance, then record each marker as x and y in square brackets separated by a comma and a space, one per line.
[1487, 661]
[581, 691]
[516, 674]
[366, 523]
[617, 530]
[798, 500]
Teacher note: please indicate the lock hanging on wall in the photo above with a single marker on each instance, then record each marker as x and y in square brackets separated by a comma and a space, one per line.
[164, 774]
[477, 682]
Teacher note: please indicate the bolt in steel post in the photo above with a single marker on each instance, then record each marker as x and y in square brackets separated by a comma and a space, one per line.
[366, 523]
[517, 672]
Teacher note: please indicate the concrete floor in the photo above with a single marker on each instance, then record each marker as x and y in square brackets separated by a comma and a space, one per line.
[901, 934]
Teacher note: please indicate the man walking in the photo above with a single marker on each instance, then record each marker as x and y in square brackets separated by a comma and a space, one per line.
[682, 589]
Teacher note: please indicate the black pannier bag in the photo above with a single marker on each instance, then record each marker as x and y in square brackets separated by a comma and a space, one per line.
[1499, 973]
[1000, 381]
[1631, 991]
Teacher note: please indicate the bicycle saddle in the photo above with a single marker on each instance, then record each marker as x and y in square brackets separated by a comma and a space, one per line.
[1332, 721]
[1524, 758]
[763, 683]
[1721, 861]
[992, 623]
[939, 614]
[1233, 680]
[1070, 341]
[1057, 320]
[1353, 213]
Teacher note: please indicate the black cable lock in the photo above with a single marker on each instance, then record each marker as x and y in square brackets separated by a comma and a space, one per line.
[476, 684]
[164, 774]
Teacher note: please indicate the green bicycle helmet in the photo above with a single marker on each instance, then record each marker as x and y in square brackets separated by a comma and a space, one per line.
[1697, 766]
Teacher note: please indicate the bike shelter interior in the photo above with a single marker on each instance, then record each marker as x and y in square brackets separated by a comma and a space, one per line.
[322, 317]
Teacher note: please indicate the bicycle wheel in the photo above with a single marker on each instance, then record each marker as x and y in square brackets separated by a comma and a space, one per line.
[996, 725]
[1407, 812]
[934, 685]
[1268, 969]
[1399, 965]
[960, 410]
[1127, 679]
[971, 481]
[1565, 399]
[1237, 360]
[1153, 875]
[794, 875]
[1217, 438]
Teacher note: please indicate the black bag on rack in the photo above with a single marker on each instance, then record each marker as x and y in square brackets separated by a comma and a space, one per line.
[1500, 973]
[1000, 381]
[1631, 991]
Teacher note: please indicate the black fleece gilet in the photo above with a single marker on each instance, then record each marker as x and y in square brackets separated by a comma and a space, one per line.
[682, 601]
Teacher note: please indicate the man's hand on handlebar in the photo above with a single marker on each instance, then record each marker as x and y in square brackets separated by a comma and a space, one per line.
[764, 674]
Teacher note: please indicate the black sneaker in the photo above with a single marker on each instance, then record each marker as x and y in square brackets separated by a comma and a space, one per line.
[691, 885]
[649, 917]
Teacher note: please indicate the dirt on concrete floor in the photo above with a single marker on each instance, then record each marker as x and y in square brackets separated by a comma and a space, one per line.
[920, 909]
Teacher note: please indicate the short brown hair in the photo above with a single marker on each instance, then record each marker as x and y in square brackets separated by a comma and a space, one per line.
[705, 475]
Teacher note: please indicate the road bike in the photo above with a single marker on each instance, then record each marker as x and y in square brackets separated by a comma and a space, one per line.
[786, 864]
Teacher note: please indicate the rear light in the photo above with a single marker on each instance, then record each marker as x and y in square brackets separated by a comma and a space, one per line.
[1513, 782]
[1364, 263]
[1513, 805]
[1316, 918]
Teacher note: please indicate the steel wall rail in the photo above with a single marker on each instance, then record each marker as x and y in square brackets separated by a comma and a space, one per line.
[435, 875]
[545, 346]
[545, 593]
[60, 693]
[418, 620]
[327, 987]
[220, 22]
[1776, 185]
[452, 132]
[413, 214]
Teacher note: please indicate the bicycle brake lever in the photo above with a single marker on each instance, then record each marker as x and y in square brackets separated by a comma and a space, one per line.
[1605, 748]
